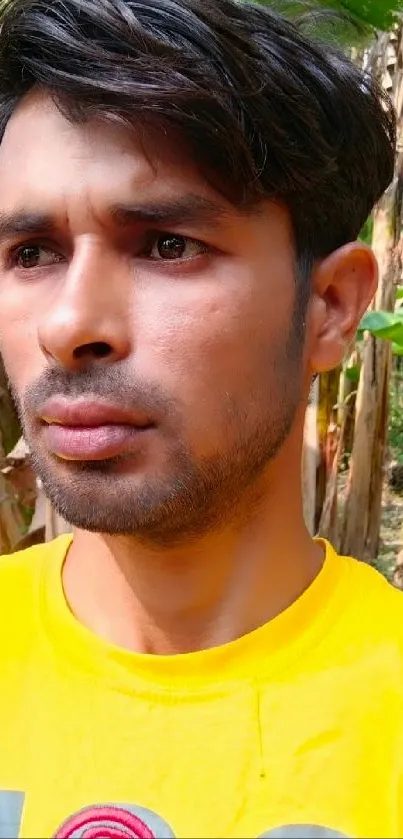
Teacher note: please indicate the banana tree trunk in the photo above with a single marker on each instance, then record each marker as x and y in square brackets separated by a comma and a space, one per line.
[327, 436]
[310, 459]
[364, 495]
[10, 430]
[362, 518]
[11, 519]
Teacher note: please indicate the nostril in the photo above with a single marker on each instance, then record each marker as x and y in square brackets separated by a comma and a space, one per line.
[97, 349]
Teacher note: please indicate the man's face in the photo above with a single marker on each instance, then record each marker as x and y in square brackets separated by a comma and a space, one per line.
[146, 326]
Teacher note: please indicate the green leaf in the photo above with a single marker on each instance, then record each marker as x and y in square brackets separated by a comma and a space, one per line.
[353, 373]
[367, 231]
[357, 19]
[381, 14]
[378, 319]
[386, 325]
[399, 292]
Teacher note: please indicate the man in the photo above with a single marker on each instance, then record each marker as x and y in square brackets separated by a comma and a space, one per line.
[182, 186]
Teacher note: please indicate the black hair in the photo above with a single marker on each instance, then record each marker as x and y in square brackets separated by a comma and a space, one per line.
[267, 111]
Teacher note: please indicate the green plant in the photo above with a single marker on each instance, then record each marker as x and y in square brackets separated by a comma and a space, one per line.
[380, 14]
[374, 14]
[346, 23]
[396, 423]
[386, 325]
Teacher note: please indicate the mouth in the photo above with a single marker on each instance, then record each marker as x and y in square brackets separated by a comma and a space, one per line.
[91, 430]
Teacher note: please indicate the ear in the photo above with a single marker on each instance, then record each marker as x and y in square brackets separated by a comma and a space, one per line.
[343, 286]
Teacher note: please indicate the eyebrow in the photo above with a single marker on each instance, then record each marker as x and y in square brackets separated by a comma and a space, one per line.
[188, 209]
[14, 224]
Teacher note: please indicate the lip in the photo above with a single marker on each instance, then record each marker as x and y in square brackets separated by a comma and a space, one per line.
[90, 413]
[88, 430]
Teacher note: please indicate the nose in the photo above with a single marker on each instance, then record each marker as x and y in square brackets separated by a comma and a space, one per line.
[88, 318]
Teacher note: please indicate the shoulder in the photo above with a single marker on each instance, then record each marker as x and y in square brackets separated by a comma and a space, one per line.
[371, 585]
[25, 565]
[374, 607]
[20, 580]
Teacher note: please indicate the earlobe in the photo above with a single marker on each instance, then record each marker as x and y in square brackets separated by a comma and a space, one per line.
[343, 286]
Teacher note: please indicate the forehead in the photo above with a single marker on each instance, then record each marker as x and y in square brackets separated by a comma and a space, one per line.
[44, 156]
[76, 175]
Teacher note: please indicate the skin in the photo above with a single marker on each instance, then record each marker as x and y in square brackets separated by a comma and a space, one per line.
[197, 537]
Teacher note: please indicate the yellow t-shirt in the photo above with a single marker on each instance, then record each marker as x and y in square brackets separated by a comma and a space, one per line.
[298, 723]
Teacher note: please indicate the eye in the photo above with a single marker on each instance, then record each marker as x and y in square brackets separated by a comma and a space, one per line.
[170, 247]
[35, 256]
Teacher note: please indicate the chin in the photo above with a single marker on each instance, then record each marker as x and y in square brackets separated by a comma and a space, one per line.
[109, 496]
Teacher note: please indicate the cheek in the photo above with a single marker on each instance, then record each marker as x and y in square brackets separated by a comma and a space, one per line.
[215, 322]
[213, 346]
[18, 337]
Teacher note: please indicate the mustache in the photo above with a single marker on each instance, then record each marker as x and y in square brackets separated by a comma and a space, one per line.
[118, 386]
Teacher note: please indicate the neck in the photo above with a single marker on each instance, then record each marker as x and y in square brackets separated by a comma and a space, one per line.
[200, 595]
